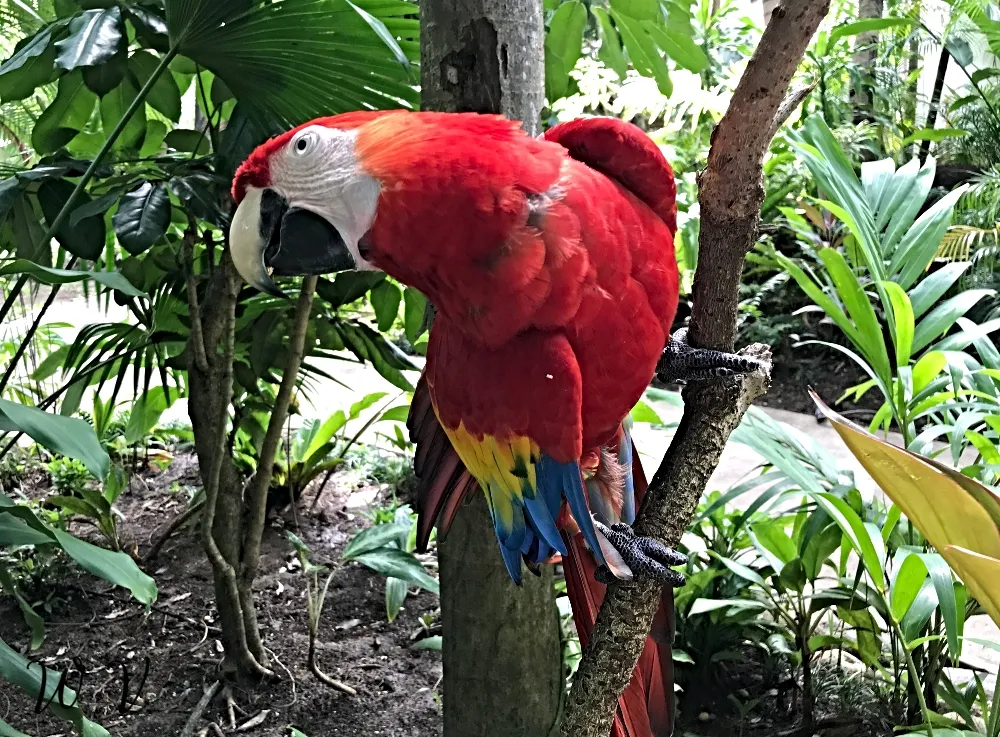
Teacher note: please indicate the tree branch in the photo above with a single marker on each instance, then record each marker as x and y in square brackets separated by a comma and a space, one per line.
[257, 493]
[730, 195]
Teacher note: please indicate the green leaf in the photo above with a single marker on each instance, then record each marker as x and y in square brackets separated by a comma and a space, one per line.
[15, 532]
[165, 96]
[385, 298]
[66, 115]
[433, 642]
[94, 37]
[31, 66]
[118, 568]
[26, 675]
[146, 412]
[114, 105]
[679, 46]
[383, 33]
[909, 579]
[31, 617]
[391, 562]
[375, 538]
[944, 587]
[395, 595]
[943, 317]
[772, 541]
[867, 26]
[103, 78]
[96, 207]
[638, 9]
[68, 436]
[918, 246]
[86, 238]
[643, 52]
[348, 287]
[111, 279]
[642, 412]
[855, 530]
[902, 320]
[143, 217]
[611, 46]
[414, 307]
[932, 134]
[563, 46]
[932, 287]
[8, 731]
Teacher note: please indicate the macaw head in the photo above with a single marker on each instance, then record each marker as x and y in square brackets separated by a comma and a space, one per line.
[304, 203]
[422, 196]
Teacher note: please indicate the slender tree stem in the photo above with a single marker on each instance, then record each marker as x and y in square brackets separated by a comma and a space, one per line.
[257, 493]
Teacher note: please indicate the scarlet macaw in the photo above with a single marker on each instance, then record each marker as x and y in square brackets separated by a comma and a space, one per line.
[551, 264]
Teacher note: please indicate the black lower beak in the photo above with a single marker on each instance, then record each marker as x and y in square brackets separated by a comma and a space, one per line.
[300, 242]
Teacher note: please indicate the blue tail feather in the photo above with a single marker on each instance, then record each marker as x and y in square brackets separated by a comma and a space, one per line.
[628, 492]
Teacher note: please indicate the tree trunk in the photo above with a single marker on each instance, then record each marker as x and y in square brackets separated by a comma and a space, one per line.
[865, 53]
[935, 101]
[503, 674]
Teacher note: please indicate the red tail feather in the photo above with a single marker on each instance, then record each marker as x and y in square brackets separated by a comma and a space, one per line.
[646, 708]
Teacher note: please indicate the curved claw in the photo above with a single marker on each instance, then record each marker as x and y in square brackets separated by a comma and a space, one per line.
[682, 362]
[647, 557]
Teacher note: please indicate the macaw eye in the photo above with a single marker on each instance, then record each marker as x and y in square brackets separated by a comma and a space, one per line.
[305, 143]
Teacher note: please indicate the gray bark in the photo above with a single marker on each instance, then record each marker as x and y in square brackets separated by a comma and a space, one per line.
[503, 673]
[730, 194]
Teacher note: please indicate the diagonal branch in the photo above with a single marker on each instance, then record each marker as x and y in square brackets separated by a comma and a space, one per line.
[730, 195]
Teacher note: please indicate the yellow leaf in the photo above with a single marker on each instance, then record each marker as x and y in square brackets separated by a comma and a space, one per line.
[981, 575]
[957, 514]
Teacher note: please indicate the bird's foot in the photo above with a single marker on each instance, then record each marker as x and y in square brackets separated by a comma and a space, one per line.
[646, 557]
[681, 362]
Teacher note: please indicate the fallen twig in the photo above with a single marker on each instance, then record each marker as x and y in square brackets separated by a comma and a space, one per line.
[199, 709]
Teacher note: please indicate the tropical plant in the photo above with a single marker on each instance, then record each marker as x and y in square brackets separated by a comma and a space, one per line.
[387, 549]
[885, 253]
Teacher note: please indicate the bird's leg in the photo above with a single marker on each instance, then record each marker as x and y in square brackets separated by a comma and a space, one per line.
[645, 558]
[681, 362]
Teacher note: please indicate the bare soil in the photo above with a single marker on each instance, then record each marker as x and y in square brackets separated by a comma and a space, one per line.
[103, 633]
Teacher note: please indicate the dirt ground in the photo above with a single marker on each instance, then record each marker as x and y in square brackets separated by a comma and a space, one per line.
[97, 631]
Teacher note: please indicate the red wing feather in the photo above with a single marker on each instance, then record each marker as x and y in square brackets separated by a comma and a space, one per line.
[442, 481]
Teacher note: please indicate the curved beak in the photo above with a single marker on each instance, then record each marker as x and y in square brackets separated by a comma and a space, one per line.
[268, 237]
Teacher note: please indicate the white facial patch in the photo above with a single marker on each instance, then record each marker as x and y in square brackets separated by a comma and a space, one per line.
[318, 171]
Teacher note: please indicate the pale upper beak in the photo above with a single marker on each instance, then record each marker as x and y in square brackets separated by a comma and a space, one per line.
[267, 236]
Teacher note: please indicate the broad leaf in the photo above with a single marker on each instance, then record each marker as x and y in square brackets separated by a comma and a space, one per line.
[958, 515]
[68, 436]
[165, 96]
[86, 238]
[867, 25]
[385, 298]
[94, 38]
[114, 106]
[66, 115]
[31, 65]
[394, 563]
[563, 46]
[116, 568]
[18, 670]
[644, 54]
[611, 46]
[143, 217]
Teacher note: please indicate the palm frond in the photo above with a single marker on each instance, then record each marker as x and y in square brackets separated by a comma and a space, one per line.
[962, 241]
